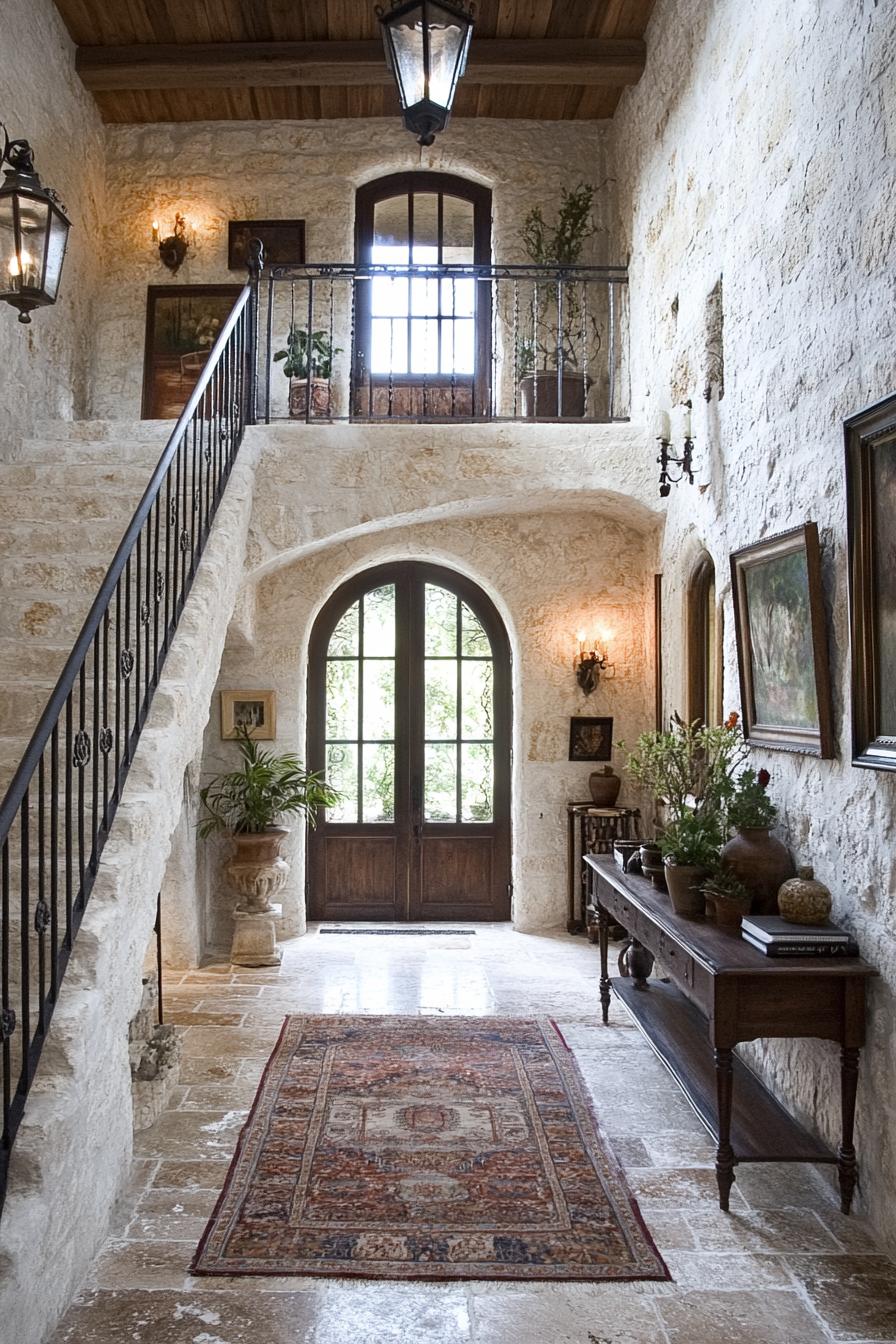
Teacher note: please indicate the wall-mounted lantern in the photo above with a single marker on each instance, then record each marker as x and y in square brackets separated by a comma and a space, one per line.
[426, 45]
[33, 233]
[173, 249]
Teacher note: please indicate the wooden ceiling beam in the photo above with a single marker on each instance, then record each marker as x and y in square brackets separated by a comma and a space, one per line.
[607, 62]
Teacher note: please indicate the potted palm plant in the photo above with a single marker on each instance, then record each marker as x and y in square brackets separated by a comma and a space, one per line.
[307, 361]
[247, 804]
[549, 351]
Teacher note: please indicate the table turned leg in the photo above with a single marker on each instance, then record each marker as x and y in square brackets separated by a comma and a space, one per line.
[724, 1151]
[603, 938]
[846, 1153]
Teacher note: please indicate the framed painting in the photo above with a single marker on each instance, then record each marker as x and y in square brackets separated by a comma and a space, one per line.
[283, 239]
[590, 739]
[782, 651]
[182, 325]
[255, 711]
[871, 510]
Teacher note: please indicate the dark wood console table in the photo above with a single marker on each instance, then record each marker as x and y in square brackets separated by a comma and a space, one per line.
[721, 991]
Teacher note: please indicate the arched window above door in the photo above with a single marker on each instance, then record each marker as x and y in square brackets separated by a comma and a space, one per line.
[422, 343]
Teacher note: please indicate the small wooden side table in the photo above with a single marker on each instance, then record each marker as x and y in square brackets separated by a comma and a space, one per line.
[592, 830]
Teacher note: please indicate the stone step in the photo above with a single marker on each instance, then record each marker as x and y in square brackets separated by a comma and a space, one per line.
[104, 431]
[63, 504]
[129, 478]
[86, 541]
[65, 575]
[102, 453]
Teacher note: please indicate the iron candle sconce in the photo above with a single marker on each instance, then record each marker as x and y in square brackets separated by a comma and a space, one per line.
[173, 249]
[590, 663]
[667, 459]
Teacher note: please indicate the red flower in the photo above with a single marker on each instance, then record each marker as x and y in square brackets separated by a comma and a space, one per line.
[763, 778]
[732, 719]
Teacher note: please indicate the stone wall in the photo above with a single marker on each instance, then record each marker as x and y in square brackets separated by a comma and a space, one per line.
[45, 365]
[760, 146]
[214, 172]
[545, 528]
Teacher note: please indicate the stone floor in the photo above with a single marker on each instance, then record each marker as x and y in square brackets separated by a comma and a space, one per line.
[784, 1267]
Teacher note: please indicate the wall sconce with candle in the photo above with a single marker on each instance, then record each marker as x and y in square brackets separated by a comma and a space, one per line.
[173, 249]
[591, 661]
[666, 459]
[33, 232]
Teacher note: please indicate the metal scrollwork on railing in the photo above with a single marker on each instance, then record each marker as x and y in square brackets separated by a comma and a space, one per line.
[80, 750]
[58, 811]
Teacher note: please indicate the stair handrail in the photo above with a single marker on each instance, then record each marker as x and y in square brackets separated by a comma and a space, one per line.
[135, 613]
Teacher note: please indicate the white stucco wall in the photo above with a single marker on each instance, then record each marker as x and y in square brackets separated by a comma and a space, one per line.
[45, 365]
[760, 146]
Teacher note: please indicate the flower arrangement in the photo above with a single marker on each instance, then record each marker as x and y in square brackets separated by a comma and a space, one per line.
[750, 807]
[690, 768]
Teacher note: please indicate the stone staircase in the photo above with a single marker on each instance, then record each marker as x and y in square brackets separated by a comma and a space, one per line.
[66, 497]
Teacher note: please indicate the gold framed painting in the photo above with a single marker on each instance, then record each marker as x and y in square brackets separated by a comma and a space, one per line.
[252, 711]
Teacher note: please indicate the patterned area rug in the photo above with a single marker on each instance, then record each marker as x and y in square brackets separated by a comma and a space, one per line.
[419, 1147]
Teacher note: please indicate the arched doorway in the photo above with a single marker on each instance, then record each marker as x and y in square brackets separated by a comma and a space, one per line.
[409, 714]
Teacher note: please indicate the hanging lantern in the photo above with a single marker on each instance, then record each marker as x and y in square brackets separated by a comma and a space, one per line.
[33, 233]
[426, 45]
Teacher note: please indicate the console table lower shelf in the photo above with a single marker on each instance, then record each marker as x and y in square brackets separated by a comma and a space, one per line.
[761, 1130]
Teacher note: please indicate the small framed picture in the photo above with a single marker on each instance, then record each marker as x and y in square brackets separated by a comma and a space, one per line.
[782, 643]
[254, 711]
[182, 325]
[283, 239]
[590, 739]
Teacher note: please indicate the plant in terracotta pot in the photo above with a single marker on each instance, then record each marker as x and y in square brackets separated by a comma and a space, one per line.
[753, 854]
[308, 363]
[247, 805]
[690, 846]
[558, 334]
[728, 897]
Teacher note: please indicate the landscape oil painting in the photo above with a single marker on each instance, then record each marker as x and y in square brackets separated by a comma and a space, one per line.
[782, 642]
[182, 324]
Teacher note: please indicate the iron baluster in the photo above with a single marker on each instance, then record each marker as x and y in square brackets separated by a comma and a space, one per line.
[24, 937]
[40, 924]
[69, 827]
[95, 756]
[54, 862]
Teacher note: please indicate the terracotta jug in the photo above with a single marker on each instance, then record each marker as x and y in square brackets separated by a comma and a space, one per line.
[762, 863]
[604, 786]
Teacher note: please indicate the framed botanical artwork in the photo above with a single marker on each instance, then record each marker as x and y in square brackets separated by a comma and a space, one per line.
[782, 650]
[590, 739]
[871, 530]
[182, 325]
[283, 239]
[255, 711]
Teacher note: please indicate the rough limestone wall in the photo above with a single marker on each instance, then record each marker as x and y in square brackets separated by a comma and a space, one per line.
[73, 1151]
[760, 146]
[42, 100]
[545, 529]
[214, 172]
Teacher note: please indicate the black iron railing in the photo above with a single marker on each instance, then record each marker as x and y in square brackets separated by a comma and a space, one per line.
[434, 343]
[59, 808]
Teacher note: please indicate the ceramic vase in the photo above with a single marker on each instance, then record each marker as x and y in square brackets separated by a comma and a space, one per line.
[604, 786]
[802, 900]
[762, 863]
[683, 881]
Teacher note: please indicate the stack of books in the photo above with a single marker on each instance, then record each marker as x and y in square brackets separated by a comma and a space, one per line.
[777, 938]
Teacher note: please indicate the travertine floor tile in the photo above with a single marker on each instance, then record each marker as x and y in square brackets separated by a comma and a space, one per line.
[776, 1316]
[855, 1295]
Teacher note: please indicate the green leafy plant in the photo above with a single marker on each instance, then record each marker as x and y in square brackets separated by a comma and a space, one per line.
[691, 767]
[300, 347]
[556, 341]
[750, 806]
[724, 884]
[694, 838]
[265, 788]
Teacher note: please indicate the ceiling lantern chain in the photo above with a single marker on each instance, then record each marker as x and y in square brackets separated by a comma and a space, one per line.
[426, 45]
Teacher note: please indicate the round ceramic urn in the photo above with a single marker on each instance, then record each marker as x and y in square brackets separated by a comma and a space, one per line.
[762, 863]
[802, 900]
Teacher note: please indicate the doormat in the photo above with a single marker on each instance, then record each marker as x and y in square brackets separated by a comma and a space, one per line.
[423, 1148]
[404, 933]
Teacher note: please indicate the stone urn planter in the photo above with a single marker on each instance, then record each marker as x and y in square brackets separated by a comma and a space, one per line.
[258, 872]
[298, 399]
[761, 862]
[684, 881]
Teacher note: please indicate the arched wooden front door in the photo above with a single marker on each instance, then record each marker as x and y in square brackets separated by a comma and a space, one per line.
[409, 713]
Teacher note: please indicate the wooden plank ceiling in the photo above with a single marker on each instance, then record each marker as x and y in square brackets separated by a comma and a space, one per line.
[219, 60]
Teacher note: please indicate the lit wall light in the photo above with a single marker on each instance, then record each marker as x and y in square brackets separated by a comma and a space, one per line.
[663, 432]
[173, 249]
[592, 659]
[33, 232]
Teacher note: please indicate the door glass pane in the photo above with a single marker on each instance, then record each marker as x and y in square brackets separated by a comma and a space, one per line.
[440, 787]
[440, 615]
[342, 773]
[474, 640]
[477, 781]
[342, 698]
[426, 229]
[344, 639]
[390, 230]
[378, 803]
[424, 345]
[457, 231]
[440, 698]
[476, 699]
[379, 699]
[379, 622]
